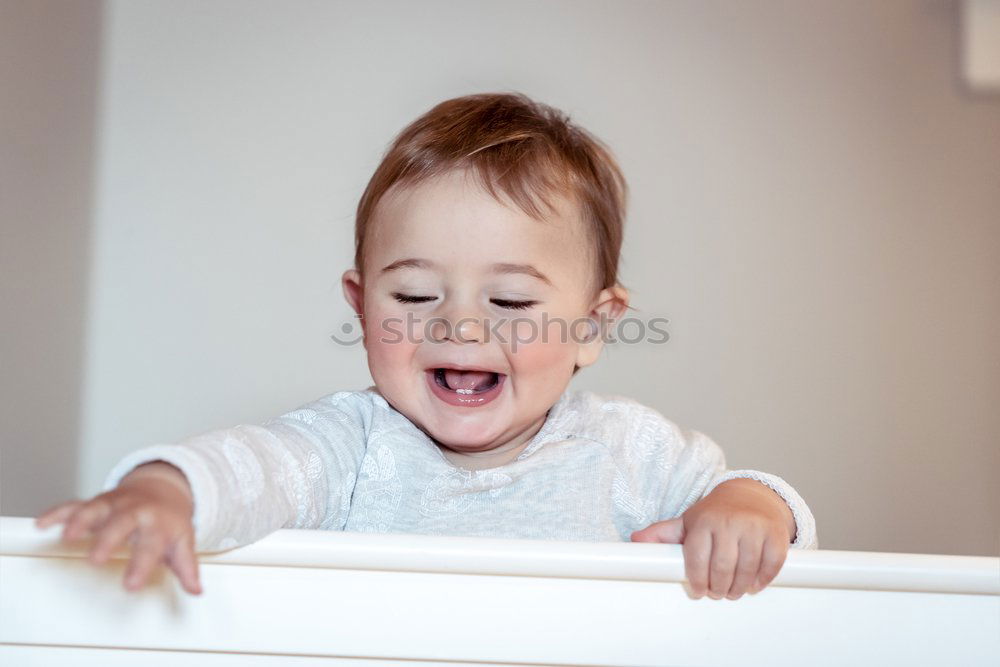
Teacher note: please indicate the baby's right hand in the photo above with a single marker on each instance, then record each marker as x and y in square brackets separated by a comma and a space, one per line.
[151, 507]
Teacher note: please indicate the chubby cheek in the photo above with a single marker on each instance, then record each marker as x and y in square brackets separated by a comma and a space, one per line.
[390, 349]
[542, 364]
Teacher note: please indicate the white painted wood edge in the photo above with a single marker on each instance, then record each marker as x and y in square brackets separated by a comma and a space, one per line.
[545, 558]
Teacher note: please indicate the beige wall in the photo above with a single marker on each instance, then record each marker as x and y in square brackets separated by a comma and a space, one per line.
[815, 206]
[49, 66]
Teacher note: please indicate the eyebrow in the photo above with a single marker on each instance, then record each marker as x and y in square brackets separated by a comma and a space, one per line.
[503, 268]
[408, 264]
[521, 268]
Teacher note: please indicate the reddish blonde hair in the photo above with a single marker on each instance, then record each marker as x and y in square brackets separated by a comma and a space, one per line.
[515, 146]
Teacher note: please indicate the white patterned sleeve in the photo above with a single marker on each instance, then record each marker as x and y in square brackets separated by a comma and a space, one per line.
[695, 465]
[294, 471]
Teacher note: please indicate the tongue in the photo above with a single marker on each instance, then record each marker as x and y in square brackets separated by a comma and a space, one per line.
[468, 380]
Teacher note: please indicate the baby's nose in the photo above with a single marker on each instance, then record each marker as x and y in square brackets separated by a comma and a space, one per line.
[469, 330]
[464, 329]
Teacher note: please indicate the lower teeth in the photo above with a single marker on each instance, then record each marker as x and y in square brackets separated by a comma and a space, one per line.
[439, 377]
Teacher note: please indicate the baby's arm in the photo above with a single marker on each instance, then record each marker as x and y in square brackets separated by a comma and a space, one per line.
[250, 480]
[736, 526]
[240, 483]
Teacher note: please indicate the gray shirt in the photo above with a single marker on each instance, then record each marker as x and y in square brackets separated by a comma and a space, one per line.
[599, 468]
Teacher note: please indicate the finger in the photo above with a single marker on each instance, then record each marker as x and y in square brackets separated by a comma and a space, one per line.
[666, 532]
[725, 552]
[775, 550]
[697, 552]
[746, 567]
[146, 555]
[112, 535]
[57, 513]
[183, 561]
[92, 513]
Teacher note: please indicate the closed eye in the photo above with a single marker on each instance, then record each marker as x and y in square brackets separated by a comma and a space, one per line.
[406, 298]
[513, 305]
[509, 304]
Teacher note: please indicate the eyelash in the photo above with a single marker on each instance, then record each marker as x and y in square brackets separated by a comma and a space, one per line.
[513, 305]
[503, 303]
[403, 298]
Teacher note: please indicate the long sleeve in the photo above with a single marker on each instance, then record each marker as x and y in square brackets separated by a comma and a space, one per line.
[700, 466]
[294, 471]
[674, 468]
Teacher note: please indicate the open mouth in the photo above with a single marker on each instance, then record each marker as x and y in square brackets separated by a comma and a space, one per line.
[466, 382]
[462, 387]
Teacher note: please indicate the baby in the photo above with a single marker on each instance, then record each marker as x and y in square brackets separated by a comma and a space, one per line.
[485, 276]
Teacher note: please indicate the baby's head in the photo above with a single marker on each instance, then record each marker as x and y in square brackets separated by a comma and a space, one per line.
[486, 263]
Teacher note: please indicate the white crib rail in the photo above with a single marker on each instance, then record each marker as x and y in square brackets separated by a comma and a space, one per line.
[316, 597]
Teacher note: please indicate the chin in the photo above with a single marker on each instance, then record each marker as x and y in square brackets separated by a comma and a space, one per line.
[469, 434]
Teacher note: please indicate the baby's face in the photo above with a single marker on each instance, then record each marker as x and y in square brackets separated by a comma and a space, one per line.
[455, 281]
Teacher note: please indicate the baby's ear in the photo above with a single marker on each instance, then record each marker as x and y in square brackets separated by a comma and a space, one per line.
[353, 290]
[609, 305]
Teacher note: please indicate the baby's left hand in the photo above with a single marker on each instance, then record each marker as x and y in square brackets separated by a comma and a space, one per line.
[735, 539]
